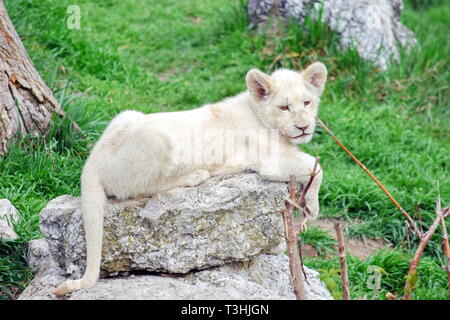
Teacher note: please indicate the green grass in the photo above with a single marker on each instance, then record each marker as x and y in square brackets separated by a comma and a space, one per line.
[390, 267]
[320, 240]
[173, 55]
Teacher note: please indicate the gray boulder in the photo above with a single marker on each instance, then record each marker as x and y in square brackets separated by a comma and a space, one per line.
[263, 277]
[226, 219]
[38, 255]
[223, 239]
[372, 26]
[8, 216]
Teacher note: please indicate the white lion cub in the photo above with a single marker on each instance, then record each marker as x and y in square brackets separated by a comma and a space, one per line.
[142, 154]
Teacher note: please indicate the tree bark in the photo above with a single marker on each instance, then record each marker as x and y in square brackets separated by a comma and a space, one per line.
[26, 103]
[372, 27]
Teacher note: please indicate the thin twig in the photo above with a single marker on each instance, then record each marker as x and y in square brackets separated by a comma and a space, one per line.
[406, 237]
[314, 173]
[411, 277]
[445, 241]
[293, 243]
[343, 262]
[419, 214]
[301, 260]
[447, 254]
[295, 262]
[407, 216]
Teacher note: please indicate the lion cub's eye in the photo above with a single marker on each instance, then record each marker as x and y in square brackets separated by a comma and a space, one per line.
[306, 103]
[284, 108]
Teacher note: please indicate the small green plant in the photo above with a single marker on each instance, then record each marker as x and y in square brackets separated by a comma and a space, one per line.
[14, 272]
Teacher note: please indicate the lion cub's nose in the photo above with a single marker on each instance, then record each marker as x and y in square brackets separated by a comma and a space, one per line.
[302, 128]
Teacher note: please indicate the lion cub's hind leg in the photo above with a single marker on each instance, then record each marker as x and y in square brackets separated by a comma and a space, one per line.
[190, 180]
[195, 178]
[67, 287]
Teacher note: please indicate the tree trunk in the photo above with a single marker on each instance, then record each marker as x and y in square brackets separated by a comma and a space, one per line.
[26, 103]
[373, 27]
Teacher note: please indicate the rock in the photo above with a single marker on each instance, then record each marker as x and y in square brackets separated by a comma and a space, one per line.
[38, 255]
[263, 277]
[226, 219]
[8, 216]
[214, 241]
[373, 26]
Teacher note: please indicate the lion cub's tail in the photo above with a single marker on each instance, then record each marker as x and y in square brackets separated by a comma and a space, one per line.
[93, 207]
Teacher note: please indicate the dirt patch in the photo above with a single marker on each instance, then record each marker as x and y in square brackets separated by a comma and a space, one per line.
[167, 74]
[360, 248]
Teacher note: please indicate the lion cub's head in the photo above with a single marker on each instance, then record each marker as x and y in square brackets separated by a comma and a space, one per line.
[288, 100]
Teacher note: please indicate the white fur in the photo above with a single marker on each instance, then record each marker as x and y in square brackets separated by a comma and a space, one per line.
[134, 156]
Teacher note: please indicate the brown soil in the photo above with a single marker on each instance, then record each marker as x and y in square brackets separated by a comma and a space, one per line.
[360, 248]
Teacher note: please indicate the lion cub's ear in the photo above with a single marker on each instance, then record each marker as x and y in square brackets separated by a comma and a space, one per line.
[259, 84]
[315, 77]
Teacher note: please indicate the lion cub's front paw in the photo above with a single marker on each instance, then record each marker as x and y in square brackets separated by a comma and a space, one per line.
[196, 178]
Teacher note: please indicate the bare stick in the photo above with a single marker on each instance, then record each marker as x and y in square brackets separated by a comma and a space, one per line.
[301, 258]
[343, 262]
[419, 214]
[445, 241]
[293, 244]
[314, 173]
[407, 216]
[406, 237]
[411, 277]
[295, 263]
[447, 253]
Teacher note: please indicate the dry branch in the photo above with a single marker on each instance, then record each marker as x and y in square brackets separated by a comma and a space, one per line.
[445, 241]
[407, 216]
[411, 277]
[294, 251]
[295, 262]
[447, 253]
[343, 262]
